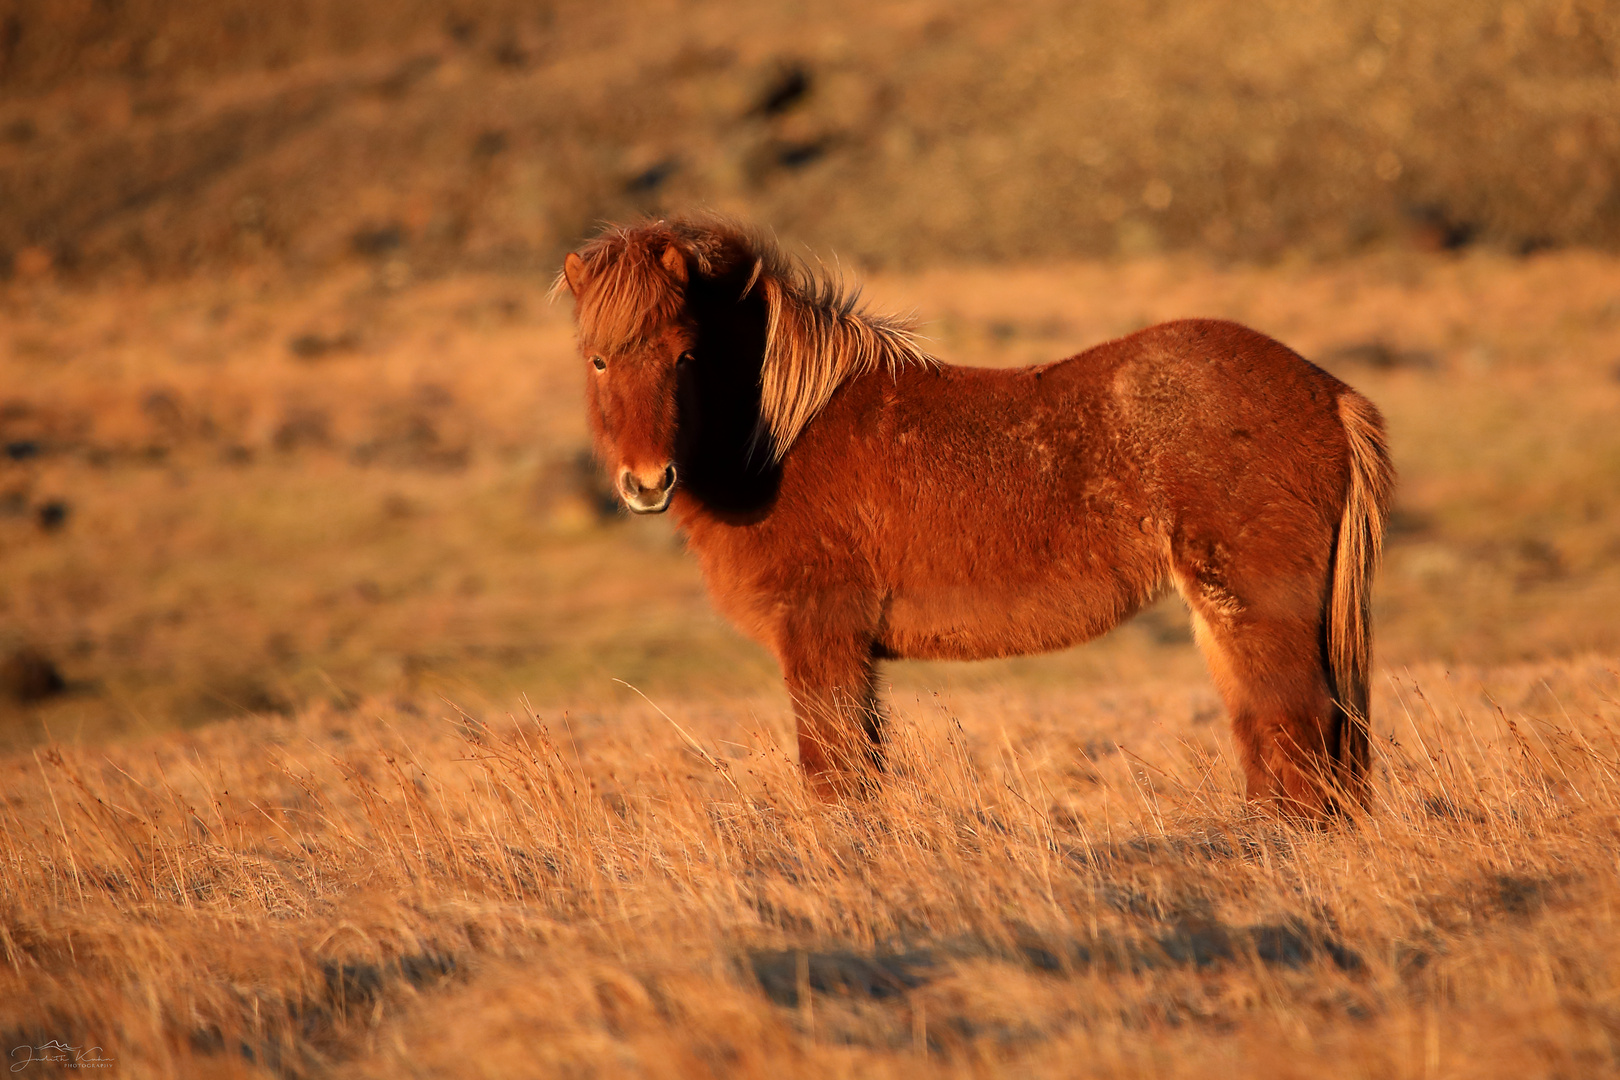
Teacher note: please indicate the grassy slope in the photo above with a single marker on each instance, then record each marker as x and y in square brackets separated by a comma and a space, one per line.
[1061, 875]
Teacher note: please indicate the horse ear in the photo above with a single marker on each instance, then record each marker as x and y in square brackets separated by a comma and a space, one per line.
[573, 272]
[675, 263]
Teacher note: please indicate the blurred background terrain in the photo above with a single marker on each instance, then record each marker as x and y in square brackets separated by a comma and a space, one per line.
[285, 416]
[312, 762]
[169, 136]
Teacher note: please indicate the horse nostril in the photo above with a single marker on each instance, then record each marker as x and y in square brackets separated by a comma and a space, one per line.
[637, 486]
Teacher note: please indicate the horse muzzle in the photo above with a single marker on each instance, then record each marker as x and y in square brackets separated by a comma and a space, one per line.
[645, 493]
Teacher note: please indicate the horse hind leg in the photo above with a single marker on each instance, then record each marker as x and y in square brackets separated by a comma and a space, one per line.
[1265, 655]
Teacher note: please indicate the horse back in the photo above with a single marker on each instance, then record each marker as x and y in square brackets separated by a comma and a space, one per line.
[1161, 424]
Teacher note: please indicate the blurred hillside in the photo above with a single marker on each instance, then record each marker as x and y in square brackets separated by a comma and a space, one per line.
[246, 494]
[167, 135]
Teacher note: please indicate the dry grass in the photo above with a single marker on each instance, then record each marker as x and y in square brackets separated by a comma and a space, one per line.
[262, 524]
[322, 508]
[1050, 884]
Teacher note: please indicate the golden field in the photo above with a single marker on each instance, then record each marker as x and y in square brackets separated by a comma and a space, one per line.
[414, 826]
[347, 729]
[1050, 884]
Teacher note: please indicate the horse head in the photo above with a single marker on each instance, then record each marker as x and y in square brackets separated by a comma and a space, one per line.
[638, 346]
[672, 327]
[709, 352]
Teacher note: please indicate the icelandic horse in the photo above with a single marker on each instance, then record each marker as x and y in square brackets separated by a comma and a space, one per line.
[852, 499]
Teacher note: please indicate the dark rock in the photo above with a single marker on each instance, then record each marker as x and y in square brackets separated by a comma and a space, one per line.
[302, 427]
[796, 155]
[510, 53]
[651, 178]
[53, 514]
[1290, 944]
[790, 86]
[19, 131]
[1200, 944]
[1540, 561]
[489, 144]
[1519, 895]
[1437, 230]
[312, 346]
[376, 240]
[28, 675]
[840, 972]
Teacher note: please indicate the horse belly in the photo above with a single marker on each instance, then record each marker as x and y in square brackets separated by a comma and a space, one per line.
[982, 621]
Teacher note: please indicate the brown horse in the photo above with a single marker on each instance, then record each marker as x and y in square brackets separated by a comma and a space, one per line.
[851, 499]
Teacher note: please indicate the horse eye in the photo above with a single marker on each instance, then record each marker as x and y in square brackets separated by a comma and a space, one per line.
[685, 358]
[598, 363]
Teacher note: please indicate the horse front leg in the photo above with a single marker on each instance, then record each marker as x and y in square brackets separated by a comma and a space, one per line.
[827, 665]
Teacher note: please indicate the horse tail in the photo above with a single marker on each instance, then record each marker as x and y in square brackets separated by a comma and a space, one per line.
[1355, 559]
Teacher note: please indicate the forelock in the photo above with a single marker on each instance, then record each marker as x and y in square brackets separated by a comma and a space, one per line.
[628, 297]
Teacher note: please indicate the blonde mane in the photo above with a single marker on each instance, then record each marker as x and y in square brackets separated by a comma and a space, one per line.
[818, 333]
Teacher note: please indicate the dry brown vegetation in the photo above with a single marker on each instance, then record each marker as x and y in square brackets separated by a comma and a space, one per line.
[357, 878]
[311, 757]
[1057, 885]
